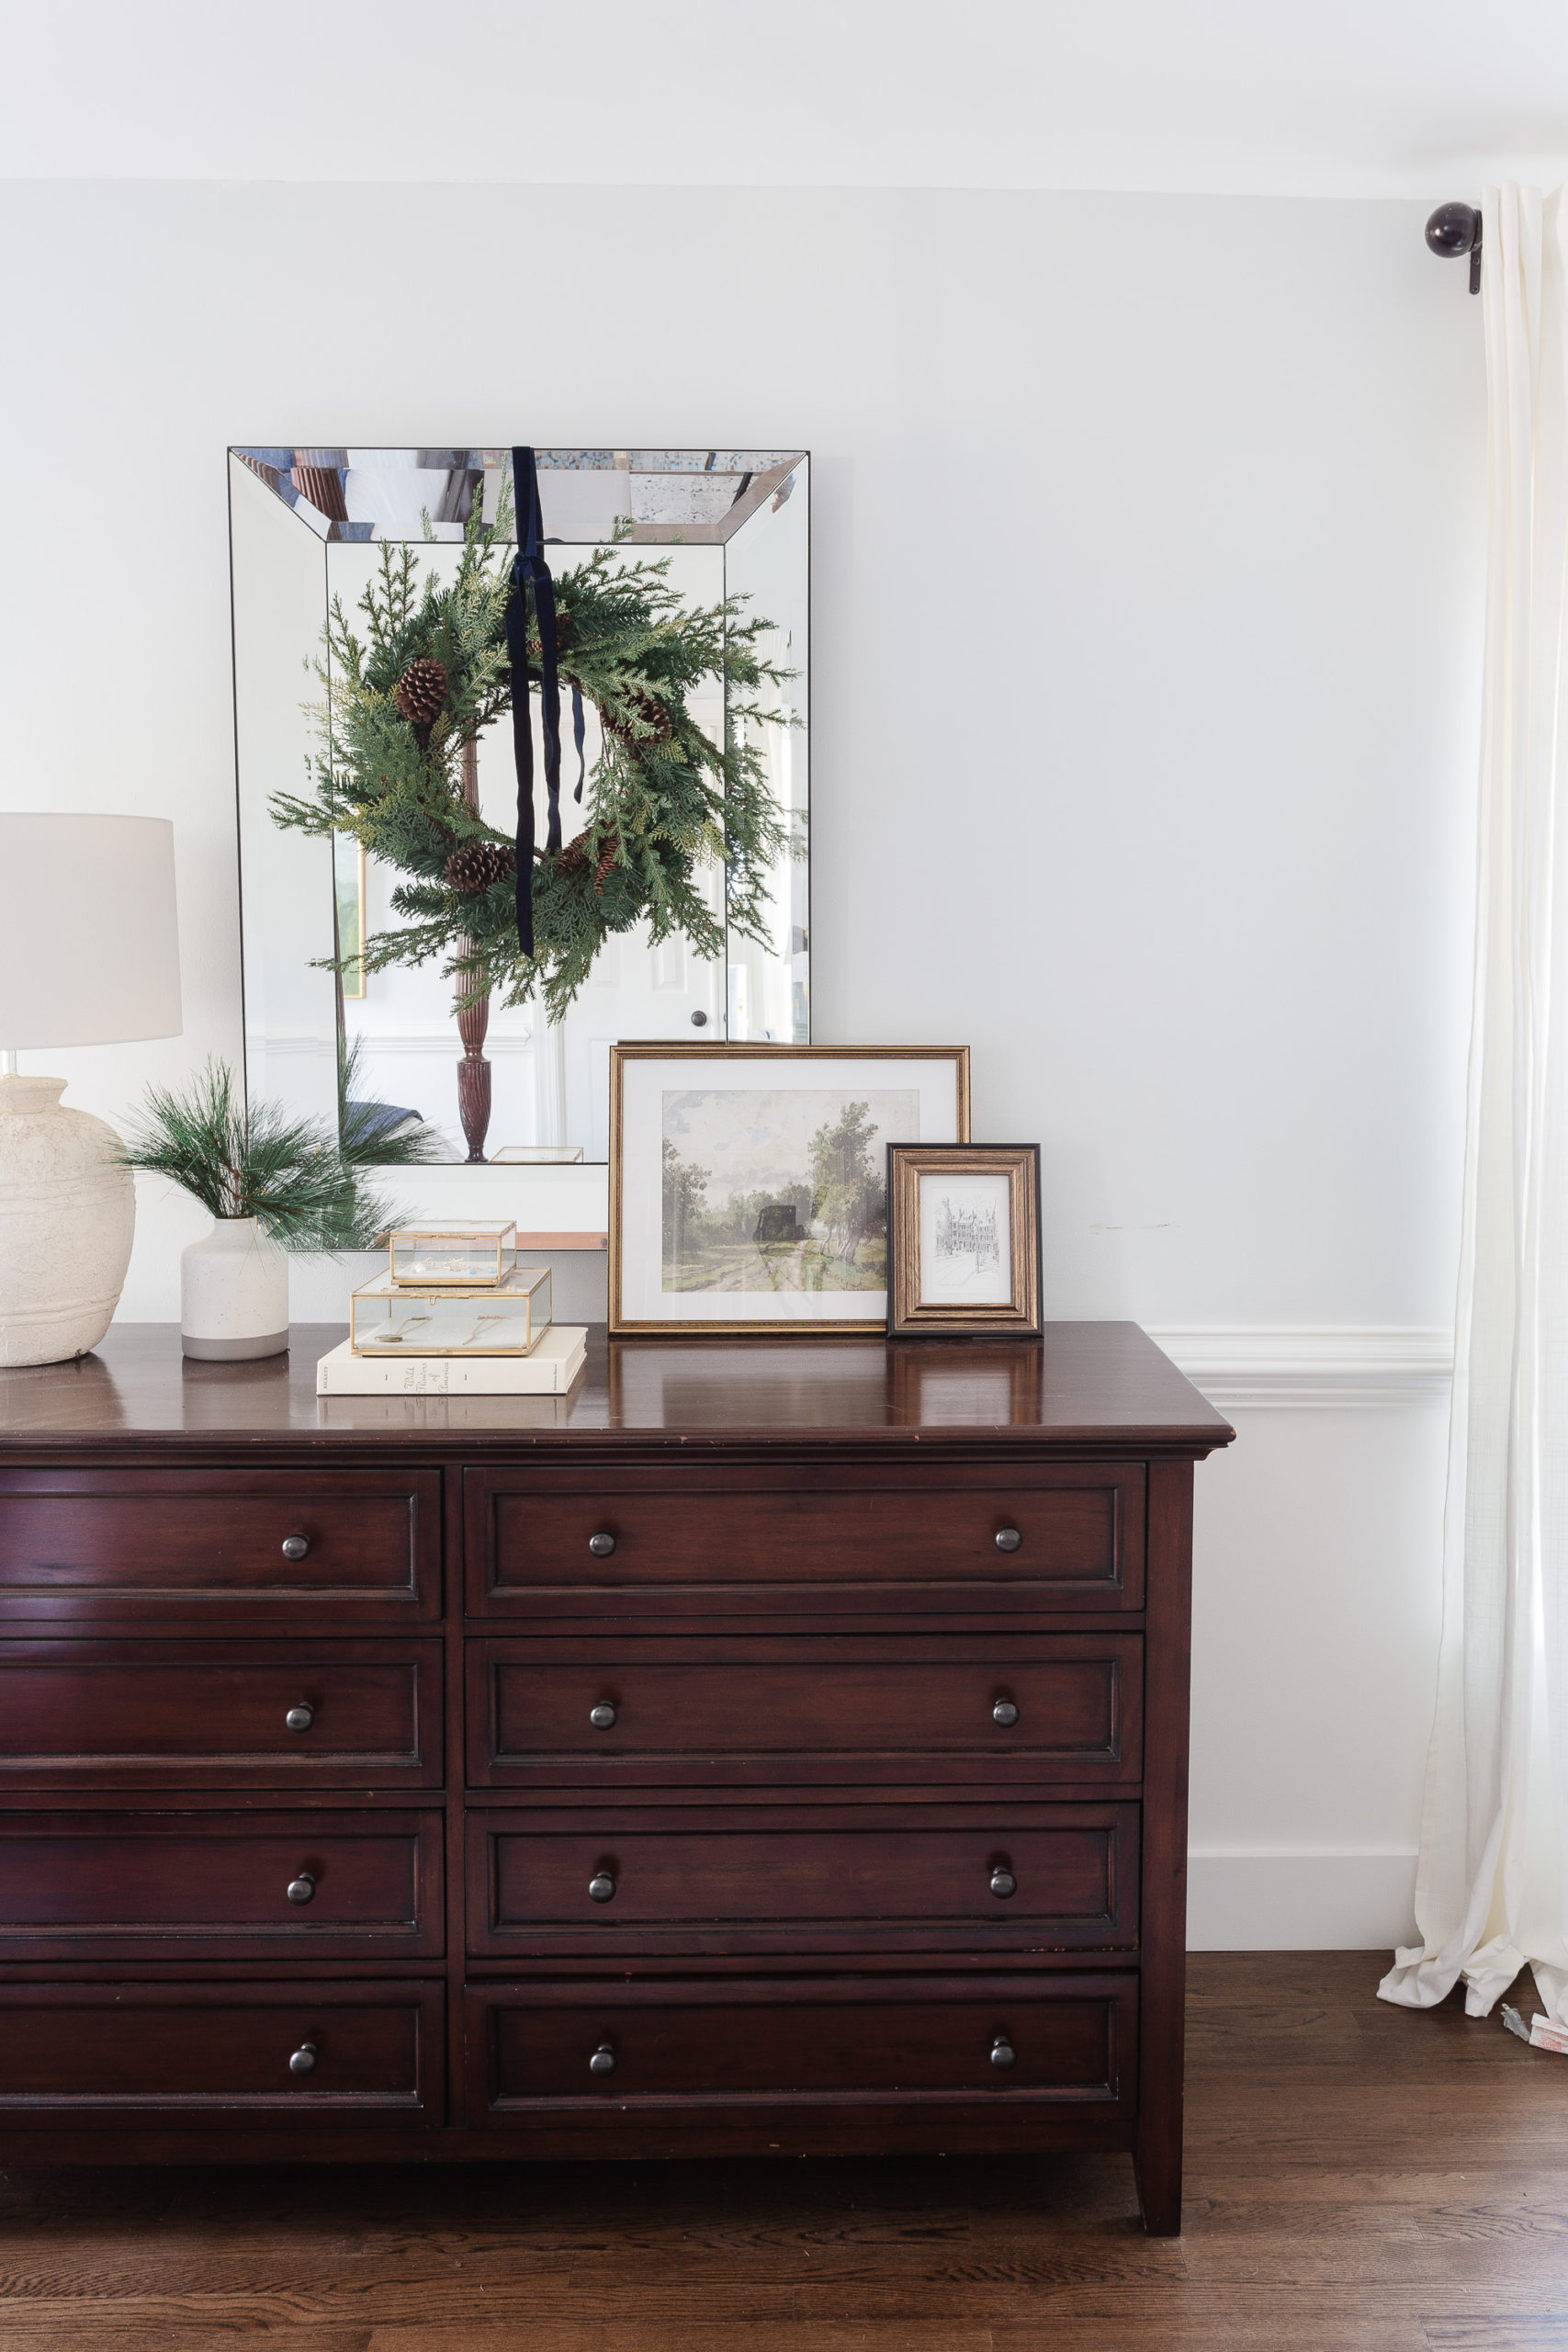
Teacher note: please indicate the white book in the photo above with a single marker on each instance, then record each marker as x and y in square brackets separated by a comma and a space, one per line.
[548, 1371]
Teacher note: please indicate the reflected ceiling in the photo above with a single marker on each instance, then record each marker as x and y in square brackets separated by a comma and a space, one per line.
[696, 497]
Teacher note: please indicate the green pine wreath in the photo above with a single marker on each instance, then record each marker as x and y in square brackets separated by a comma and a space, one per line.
[431, 673]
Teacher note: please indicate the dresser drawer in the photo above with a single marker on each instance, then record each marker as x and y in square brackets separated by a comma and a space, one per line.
[143, 1715]
[545, 1543]
[209, 2054]
[194, 1543]
[695, 2047]
[1042, 1708]
[1041, 1878]
[285, 1886]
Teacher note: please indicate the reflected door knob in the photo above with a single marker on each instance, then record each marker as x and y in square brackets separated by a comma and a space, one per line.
[1003, 2054]
[301, 1889]
[295, 1547]
[304, 2059]
[602, 1716]
[601, 1887]
[1005, 1714]
[1007, 1539]
[601, 1545]
[1003, 1884]
[603, 2060]
[301, 1718]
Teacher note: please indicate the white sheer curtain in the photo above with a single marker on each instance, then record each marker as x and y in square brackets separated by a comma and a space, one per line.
[1492, 1875]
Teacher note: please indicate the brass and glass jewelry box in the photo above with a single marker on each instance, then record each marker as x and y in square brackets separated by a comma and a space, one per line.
[502, 1319]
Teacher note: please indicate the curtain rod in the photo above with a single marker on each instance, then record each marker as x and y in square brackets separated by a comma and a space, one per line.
[1453, 230]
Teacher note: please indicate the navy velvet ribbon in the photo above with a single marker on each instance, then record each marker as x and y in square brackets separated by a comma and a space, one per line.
[529, 569]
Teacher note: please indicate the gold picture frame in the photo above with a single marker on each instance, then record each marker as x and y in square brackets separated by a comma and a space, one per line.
[676, 1263]
[964, 1240]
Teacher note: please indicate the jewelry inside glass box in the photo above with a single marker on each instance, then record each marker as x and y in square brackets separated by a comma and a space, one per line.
[465, 1253]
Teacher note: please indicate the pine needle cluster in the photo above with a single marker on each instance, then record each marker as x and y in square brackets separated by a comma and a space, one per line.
[666, 801]
[307, 1188]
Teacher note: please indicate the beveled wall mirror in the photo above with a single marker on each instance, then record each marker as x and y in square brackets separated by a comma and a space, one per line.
[309, 530]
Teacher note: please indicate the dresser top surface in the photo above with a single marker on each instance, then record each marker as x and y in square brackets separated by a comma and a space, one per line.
[1083, 1384]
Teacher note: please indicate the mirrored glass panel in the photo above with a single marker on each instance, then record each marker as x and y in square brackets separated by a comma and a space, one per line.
[309, 529]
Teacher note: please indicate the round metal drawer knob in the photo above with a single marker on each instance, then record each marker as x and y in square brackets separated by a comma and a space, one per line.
[304, 2059]
[601, 1545]
[301, 1718]
[302, 1889]
[295, 1547]
[1005, 1714]
[603, 1716]
[1003, 1884]
[1007, 1539]
[601, 1887]
[603, 2060]
[1003, 2054]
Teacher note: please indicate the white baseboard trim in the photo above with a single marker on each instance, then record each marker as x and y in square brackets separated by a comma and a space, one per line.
[1312, 1364]
[1300, 1902]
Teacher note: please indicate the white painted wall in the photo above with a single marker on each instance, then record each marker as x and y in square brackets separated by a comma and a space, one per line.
[1315, 1543]
[1148, 568]
[1349, 97]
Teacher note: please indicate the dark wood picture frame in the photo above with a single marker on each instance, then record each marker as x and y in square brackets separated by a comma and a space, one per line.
[911, 1312]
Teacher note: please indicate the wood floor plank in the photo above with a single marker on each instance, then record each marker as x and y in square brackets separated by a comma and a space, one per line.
[657, 2335]
[1417, 2185]
[355, 2305]
[1292, 2311]
[1260, 2333]
[1498, 2332]
[1411, 2263]
[119, 2333]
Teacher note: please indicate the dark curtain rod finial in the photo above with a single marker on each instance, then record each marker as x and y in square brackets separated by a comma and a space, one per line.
[1453, 230]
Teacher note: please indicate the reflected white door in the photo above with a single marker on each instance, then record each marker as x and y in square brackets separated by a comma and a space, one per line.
[635, 991]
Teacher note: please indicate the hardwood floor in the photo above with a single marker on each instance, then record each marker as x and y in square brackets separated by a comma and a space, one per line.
[1360, 2179]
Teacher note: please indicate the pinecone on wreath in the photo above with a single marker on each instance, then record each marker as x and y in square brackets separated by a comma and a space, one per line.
[573, 859]
[479, 865]
[635, 702]
[421, 691]
[563, 637]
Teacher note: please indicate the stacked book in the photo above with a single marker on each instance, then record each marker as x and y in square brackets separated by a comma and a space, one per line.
[454, 1315]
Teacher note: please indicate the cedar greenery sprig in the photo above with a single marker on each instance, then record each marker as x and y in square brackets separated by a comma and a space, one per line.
[666, 800]
[305, 1187]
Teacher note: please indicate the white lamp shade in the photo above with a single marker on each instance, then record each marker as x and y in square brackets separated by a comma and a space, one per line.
[89, 949]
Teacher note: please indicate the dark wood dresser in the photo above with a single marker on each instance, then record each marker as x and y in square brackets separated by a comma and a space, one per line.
[770, 1748]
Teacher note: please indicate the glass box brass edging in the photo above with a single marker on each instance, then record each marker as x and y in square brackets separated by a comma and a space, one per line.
[470, 1236]
[448, 1321]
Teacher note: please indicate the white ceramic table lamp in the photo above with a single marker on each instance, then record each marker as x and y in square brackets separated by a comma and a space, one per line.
[89, 956]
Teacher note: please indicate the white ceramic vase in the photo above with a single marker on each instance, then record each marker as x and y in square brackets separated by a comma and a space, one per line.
[234, 1293]
[67, 1214]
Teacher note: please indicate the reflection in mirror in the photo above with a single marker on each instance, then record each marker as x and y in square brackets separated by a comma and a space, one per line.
[308, 528]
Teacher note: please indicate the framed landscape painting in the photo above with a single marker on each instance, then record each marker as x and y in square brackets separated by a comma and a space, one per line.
[749, 1183]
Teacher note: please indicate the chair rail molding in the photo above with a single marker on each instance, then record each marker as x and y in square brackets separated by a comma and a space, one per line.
[1312, 1364]
[444, 1042]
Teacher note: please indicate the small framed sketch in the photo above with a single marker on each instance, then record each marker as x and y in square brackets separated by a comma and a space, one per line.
[749, 1183]
[964, 1240]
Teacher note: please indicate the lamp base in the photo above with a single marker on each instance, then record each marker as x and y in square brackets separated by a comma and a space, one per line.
[67, 1216]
